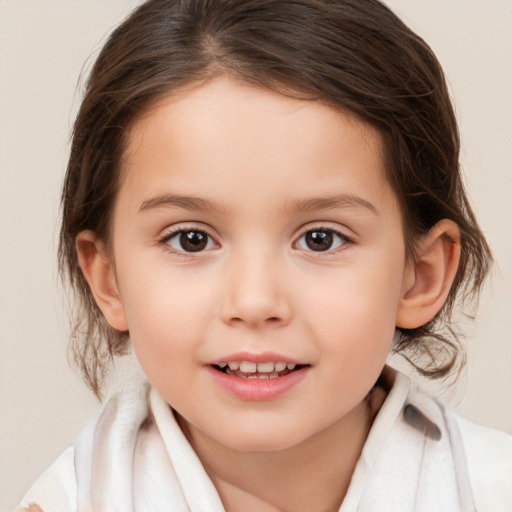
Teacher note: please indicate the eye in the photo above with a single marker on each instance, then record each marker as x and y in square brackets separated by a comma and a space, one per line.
[321, 240]
[191, 240]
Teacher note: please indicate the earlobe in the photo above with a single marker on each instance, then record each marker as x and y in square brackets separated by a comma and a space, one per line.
[428, 279]
[98, 270]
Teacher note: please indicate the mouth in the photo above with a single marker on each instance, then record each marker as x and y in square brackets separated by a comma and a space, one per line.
[263, 371]
[257, 377]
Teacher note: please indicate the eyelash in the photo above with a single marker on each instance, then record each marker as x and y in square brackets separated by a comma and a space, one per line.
[343, 239]
[164, 241]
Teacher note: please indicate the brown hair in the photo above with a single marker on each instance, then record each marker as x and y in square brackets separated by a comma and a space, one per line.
[352, 54]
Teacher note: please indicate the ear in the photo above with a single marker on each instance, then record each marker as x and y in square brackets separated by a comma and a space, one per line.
[99, 272]
[428, 279]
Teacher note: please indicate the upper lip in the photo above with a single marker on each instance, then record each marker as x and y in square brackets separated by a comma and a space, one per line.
[263, 357]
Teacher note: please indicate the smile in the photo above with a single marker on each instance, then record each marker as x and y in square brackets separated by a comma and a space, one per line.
[251, 370]
[257, 381]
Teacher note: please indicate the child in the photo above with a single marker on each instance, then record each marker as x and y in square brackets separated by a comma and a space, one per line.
[262, 200]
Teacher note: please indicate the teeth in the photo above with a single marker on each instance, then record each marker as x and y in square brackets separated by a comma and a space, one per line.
[247, 367]
[263, 370]
[265, 367]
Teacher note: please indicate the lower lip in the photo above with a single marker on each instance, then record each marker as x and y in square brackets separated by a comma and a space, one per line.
[258, 389]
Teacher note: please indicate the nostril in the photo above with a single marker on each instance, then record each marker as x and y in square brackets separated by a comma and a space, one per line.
[271, 320]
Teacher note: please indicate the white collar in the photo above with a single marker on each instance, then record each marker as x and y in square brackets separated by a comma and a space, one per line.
[199, 490]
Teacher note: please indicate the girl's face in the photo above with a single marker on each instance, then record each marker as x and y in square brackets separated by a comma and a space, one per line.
[258, 231]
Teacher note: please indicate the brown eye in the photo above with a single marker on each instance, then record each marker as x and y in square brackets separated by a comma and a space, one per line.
[193, 241]
[190, 241]
[320, 240]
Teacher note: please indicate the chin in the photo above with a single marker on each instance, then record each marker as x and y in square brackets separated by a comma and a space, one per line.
[262, 440]
[260, 445]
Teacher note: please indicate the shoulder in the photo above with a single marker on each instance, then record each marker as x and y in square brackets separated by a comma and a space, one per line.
[56, 488]
[481, 456]
[489, 459]
[481, 453]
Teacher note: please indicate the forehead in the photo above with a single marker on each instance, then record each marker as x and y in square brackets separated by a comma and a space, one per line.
[232, 134]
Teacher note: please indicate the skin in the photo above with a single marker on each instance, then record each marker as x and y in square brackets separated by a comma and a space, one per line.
[268, 167]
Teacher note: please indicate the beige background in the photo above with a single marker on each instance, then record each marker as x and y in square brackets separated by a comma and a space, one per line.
[43, 45]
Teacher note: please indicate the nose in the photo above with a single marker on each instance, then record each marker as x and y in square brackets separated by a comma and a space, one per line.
[255, 293]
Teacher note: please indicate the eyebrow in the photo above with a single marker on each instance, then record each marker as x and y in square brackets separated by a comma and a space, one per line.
[326, 203]
[177, 201]
[301, 205]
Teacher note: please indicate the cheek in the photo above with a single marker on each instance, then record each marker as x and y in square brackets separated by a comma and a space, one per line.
[354, 312]
[166, 332]
[165, 311]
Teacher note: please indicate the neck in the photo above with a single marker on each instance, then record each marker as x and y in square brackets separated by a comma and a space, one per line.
[313, 475]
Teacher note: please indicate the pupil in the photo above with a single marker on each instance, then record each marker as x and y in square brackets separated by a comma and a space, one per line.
[319, 240]
[193, 241]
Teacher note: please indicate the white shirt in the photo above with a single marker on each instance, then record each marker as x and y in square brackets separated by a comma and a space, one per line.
[418, 457]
